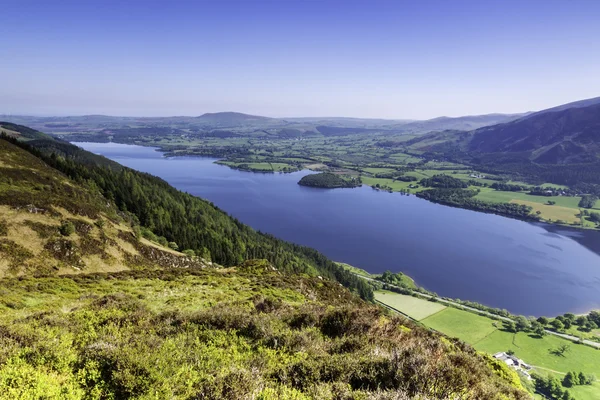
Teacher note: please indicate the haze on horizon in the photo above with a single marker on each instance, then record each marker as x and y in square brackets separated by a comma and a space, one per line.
[376, 59]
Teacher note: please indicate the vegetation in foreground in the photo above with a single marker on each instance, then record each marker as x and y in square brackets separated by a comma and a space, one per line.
[246, 332]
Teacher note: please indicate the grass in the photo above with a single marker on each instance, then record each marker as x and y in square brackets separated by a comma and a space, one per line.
[244, 332]
[356, 270]
[395, 185]
[586, 392]
[414, 307]
[487, 335]
[483, 335]
[565, 209]
[552, 212]
[461, 324]
[537, 351]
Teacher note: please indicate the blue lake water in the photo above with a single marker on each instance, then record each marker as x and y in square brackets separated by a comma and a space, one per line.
[527, 268]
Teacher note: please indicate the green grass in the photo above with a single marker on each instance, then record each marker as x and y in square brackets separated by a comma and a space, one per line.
[356, 270]
[395, 185]
[461, 324]
[414, 307]
[537, 351]
[586, 392]
[480, 332]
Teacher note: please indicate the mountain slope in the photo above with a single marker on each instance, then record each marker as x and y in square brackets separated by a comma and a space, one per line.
[90, 309]
[190, 222]
[49, 225]
[466, 123]
[575, 104]
[556, 137]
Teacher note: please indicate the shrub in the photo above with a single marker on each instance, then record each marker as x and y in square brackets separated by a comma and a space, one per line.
[67, 228]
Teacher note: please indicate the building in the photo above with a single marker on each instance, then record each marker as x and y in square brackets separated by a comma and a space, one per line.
[516, 363]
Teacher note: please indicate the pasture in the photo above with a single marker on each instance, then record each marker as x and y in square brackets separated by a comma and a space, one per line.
[414, 307]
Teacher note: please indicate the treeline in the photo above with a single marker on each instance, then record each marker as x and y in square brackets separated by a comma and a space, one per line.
[463, 198]
[551, 388]
[507, 187]
[189, 221]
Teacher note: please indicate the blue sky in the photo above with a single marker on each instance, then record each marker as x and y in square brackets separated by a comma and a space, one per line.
[388, 59]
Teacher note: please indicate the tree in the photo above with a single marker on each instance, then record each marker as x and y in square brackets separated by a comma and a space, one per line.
[581, 320]
[189, 252]
[588, 201]
[571, 379]
[540, 331]
[543, 320]
[570, 316]
[562, 349]
[173, 245]
[557, 325]
[510, 326]
[522, 324]
[567, 396]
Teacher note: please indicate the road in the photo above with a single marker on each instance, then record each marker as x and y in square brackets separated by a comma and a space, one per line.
[471, 309]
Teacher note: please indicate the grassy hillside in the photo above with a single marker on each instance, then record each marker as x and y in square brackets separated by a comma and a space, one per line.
[245, 332]
[91, 308]
[187, 221]
[49, 224]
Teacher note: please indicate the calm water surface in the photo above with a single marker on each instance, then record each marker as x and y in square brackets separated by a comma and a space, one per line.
[530, 269]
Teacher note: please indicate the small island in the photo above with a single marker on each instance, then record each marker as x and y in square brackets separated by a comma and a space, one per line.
[329, 181]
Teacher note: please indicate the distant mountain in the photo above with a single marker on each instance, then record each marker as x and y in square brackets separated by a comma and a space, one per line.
[231, 119]
[556, 136]
[575, 104]
[466, 123]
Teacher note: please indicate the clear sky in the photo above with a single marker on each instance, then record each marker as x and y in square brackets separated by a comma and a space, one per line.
[390, 59]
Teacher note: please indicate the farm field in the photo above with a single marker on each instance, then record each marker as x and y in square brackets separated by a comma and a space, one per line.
[487, 335]
[414, 307]
[462, 324]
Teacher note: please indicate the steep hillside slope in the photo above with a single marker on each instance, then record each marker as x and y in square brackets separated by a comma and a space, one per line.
[557, 137]
[466, 123]
[192, 223]
[50, 225]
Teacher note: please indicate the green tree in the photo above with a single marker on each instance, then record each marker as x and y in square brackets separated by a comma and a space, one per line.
[522, 324]
[557, 325]
[543, 320]
[571, 379]
[567, 396]
[588, 201]
[510, 326]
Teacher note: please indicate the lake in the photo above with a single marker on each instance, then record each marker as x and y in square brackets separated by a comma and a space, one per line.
[526, 268]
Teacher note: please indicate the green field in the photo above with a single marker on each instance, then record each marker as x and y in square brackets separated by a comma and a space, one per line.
[487, 335]
[461, 324]
[414, 307]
